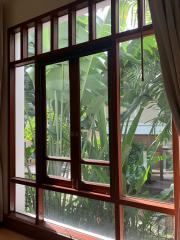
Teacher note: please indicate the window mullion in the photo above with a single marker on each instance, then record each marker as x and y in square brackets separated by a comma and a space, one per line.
[38, 38]
[54, 33]
[75, 121]
[115, 16]
[92, 20]
[141, 14]
[72, 27]
[40, 137]
[115, 140]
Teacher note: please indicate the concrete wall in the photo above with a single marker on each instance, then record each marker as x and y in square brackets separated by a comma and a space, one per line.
[17, 11]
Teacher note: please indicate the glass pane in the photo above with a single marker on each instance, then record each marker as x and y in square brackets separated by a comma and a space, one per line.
[148, 19]
[103, 19]
[146, 124]
[82, 25]
[57, 169]
[63, 32]
[31, 42]
[81, 214]
[94, 107]
[46, 37]
[25, 200]
[95, 174]
[58, 110]
[128, 15]
[18, 46]
[146, 225]
[25, 122]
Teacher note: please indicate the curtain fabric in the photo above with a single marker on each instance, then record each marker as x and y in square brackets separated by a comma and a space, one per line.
[1, 79]
[166, 21]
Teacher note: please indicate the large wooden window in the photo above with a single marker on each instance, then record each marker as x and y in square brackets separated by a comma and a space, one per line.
[94, 152]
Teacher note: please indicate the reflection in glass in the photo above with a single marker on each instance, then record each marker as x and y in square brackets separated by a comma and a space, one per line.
[31, 42]
[58, 110]
[146, 225]
[25, 122]
[103, 19]
[63, 32]
[82, 26]
[94, 107]
[46, 37]
[17, 46]
[25, 200]
[83, 214]
[61, 170]
[96, 174]
[146, 124]
[128, 15]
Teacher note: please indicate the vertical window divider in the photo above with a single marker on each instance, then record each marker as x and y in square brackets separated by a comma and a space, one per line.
[141, 14]
[38, 38]
[114, 16]
[75, 122]
[115, 138]
[176, 163]
[11, 47]
[21, 42]
[39, 205]
[72, 27]
[92, 20]
[40, 145]
[12, 139]
[24, 44]
[40, 121]
[54, 33]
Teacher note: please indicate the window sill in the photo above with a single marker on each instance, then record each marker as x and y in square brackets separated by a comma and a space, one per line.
[26, 225]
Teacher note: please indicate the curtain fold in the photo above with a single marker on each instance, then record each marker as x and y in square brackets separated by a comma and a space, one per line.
[166, 21]
[1, 79]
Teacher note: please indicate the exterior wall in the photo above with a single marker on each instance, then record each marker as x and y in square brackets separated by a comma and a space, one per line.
[17, 11]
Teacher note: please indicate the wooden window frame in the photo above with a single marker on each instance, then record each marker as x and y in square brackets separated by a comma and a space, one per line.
[113, 194]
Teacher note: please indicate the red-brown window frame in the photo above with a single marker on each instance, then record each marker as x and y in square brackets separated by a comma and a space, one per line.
[111, 44]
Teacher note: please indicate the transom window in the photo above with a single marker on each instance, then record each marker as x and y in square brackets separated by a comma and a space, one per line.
[92, 141]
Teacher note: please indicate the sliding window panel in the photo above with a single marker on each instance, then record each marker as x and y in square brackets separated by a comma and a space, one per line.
[94, 107]
[147, 158]
[25, 122]
[59, 170]
[128, 17]
[58, 110]
[63, 35]
[141, 224]
[92, 217]
[82, 25]
[103, 19]
[46, 37]
[25, 200]
[31, 41]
